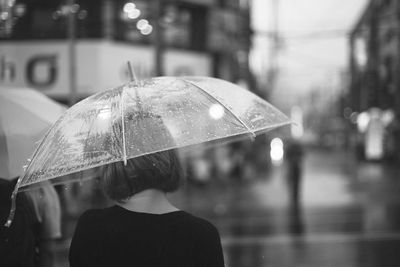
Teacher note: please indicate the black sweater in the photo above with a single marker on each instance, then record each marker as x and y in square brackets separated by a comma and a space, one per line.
[118, 237]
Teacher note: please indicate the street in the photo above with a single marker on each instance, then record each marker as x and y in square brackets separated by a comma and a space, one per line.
[348, 216]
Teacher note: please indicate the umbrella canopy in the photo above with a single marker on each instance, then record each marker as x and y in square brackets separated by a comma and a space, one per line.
[146, 117]
[25, 115]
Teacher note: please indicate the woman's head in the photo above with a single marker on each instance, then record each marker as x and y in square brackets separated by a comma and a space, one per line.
[162, 171]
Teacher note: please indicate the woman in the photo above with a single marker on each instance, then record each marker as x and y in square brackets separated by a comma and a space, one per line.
[144, 228]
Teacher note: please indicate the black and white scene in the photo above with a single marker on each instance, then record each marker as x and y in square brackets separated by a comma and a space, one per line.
[199, 133]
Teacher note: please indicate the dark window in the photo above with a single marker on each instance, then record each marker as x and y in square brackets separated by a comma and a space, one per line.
[183, 25]
[187, 27]
[221, 3]
[388, 36]
[46, 19]
[133, 23]
[387, 3]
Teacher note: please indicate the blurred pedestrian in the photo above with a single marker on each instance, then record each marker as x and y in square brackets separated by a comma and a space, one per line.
[143, 228]
[294, 160]
[18, 241]
[47, 211]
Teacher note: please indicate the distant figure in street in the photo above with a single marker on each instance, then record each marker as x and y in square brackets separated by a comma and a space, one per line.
[37, 223]
[143, 228]
[294, 159]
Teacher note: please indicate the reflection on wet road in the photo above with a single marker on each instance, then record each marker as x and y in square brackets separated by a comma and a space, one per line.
[349, 216]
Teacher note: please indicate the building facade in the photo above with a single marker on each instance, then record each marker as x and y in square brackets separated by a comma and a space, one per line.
[374, 67]
[69, 49]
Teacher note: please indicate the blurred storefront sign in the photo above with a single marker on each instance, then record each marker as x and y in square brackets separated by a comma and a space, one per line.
[99, 65]
[276, 151]
[374, 135]
[35, 64]
[373, 125]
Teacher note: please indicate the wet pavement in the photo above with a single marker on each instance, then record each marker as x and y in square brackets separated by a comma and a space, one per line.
[349, 215]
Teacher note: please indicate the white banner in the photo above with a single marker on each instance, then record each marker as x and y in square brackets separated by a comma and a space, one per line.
[99, 65]
[39, 65]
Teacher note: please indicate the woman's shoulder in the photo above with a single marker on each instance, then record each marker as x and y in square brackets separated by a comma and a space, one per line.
[91, 215]
[203, 233]
[199, 225]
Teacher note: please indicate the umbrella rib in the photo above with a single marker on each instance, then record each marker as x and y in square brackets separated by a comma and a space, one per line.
[253, 135]
[123, 127]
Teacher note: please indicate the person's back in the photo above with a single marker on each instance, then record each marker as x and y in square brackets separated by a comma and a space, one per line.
[144, 229]
[119, 237]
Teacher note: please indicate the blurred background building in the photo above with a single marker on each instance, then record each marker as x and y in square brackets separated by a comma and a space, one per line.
[70, 49]
[374, 94]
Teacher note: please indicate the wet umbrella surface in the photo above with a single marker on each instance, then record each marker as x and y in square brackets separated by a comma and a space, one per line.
[146, 117]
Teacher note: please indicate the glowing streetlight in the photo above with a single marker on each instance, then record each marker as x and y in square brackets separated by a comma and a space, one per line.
[129, 7]
[276, 151]
[142, 24]
[134, 14]
[147, 30]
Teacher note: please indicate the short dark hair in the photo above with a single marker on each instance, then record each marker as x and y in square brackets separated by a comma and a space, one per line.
[161, 170]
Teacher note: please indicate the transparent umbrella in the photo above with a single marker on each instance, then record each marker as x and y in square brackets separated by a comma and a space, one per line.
[145, 117]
